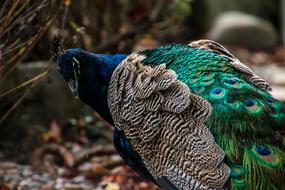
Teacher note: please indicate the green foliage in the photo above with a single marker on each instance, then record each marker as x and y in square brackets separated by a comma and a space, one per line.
[181, 8]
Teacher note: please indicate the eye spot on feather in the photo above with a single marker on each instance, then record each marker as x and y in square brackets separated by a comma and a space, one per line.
[275, 104]
[209, 76]
[238, 175]
[234, 104]
[194, 80]
[218, 93]
[262, 150]
[198, 90]
[270, 100]
[232, 83]
[197, 73]
[237, 171]
[252, 106]
[207, 83]
[250, 102]
[266, 155]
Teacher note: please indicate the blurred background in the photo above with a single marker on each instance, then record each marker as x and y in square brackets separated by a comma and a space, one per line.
[50, 140]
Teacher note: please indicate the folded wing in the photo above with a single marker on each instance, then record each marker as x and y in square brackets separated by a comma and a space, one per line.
[165, 124]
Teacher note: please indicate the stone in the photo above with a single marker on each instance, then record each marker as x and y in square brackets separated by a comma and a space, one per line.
[275, 75]
[1, 175]
[47, 187]
[39, 178]
[8, 165]
[112, 186]
[27, 172]
[70, 186]
[49, 100]
[51, 91]
[12, 172]
[241, 29]
[79, 179]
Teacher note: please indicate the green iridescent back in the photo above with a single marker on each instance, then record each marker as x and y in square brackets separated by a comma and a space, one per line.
[246, 121]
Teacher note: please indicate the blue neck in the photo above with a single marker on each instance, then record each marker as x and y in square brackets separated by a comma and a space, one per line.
[95, 79]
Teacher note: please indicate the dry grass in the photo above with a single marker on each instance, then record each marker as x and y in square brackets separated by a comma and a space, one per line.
[22, 24]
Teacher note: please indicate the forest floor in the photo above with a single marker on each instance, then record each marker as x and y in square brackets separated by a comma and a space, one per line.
[73, 158]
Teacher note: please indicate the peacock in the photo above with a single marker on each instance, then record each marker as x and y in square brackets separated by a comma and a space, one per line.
[185, 116]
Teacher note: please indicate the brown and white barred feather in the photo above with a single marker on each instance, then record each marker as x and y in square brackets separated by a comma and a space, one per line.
[235, 63]
[165, 123]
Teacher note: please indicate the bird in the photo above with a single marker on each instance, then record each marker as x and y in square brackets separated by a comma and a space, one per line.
[185, 116]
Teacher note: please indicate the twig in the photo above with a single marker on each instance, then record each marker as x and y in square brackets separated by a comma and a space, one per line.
[30, 46]
[17, 103]
[22, 54]
[63, 23]
[121, 36]
[98, 151]
[31, 81]
[10, 50]
[14, 106]
[1, 63]
[24, 18]
[55, 149]
[3, 8]
[283, 20]
[150, 20]
[156, 10]
[113, 164]
[8, 19]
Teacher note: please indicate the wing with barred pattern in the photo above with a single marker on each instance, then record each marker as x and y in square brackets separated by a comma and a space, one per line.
[165, 124]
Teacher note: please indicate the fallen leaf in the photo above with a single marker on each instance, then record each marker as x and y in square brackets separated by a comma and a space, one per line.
[112, 186]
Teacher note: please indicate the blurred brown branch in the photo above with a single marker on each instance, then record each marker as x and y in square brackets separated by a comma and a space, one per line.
[97, 151]
[39, 161]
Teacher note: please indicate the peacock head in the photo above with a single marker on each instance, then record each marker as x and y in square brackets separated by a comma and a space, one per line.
[87, 74]
[69, 68]
[68, 65]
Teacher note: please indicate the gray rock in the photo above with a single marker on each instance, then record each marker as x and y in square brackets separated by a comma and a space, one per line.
[14, 172]
[70, 186]
[8, 165]
[1, 175]
[27, 172]
[39, 178]
[275, 75]
[51, 98]
[79, 179]
[241, 29]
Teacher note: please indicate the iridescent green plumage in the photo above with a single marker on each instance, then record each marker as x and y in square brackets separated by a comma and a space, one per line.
[161, 127]
[246, 121]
